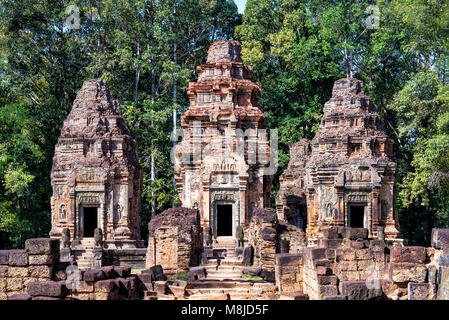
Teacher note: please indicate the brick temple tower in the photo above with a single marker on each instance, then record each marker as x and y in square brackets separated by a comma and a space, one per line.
[96, 178]
[223, 165]
[345, 175]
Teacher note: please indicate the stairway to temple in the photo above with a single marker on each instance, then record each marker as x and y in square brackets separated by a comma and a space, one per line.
[229, 289]
[224, 264]
[224, 270]
[84, 255]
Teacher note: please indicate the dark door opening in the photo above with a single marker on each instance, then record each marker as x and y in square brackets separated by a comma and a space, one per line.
[224, 220]
[357, 216]
[90, 221]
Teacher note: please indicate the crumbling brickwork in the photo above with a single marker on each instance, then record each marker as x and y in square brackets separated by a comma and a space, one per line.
[174, 240]
[345, 175]
[37, 262]
[347, 265]
[223, 161]
[96, 178]
[262, 236]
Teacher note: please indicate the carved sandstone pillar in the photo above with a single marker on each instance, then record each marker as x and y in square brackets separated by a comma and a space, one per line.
[340, 207]
[375, 211]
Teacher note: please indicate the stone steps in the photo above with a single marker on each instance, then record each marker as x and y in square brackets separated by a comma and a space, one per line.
[224, 290]
[84, 260]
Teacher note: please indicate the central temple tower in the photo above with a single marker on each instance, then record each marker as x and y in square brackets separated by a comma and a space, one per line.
[223, 165]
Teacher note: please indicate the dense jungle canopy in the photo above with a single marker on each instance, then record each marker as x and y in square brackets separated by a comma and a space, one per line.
[147, 50]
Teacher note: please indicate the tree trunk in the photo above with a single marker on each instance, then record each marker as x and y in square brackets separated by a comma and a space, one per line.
[175, 88]
[136, 85]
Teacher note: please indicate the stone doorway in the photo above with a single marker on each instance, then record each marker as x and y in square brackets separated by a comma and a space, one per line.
[357, 216]
[224, 220]
[90, 221]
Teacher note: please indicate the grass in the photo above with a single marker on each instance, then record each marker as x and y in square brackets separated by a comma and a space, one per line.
[251, 278]
[136, 271]
[179, 276]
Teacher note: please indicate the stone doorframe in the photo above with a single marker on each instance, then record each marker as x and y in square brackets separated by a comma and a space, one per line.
[235, 220]
[88, 199]
[359, 198]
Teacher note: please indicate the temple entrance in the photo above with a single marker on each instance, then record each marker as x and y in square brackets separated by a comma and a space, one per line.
[224, 220]
[357, 216]
[90, 221]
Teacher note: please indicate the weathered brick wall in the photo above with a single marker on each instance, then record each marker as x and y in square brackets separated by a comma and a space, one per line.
[348, 265]
[106, 283]
[289, 272]
[294, 235]
[262, 236]
[39, 261]
[174, 240]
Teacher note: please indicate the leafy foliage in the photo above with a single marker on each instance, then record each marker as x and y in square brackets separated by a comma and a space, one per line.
[147, 50]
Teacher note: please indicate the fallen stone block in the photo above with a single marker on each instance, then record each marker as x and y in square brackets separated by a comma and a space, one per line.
[183, 284]
[252, 271]
[42, 246]
[123, 286]
[18, 258]
[248, 256]
[110, 272]
[94, 275]
[19, 296]
[196, 273]
[177, 291]
[358, 290]
[268, 276]
[440, 238]
[105, 286]
[160, 287]
[48, 289]
[157, 269]
[408, 254]
[418, 291]
[123, 271]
